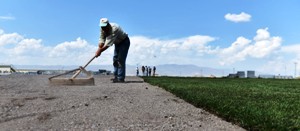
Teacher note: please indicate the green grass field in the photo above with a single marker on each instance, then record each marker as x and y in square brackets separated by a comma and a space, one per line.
[255, 104]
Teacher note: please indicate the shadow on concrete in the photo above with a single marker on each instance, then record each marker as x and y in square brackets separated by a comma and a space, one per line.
[134, 81]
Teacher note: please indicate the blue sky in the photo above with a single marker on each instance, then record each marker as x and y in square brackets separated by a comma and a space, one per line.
[245, 34]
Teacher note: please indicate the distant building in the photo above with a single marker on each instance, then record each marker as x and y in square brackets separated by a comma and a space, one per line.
[6, 69]
[241, 74]
[27, 71]
[232, 76]
[9, 69]
[283, 77]
[102, 72]
[267, 76]
[251, 74]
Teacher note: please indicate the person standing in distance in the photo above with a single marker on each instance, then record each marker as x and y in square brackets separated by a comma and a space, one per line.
[112, 33]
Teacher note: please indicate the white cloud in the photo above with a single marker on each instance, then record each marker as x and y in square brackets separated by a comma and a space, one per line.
[234, 52]
[276, 66]
[281, 65]
[142, 50]
[262, 46]
[6, 39]
[14, 44]
[16, 49]
[262, 34]
[238, 45]
[7, 18]
[291, 49]
[149, 51]
[29, 46]
[68, 48]
[242, 17]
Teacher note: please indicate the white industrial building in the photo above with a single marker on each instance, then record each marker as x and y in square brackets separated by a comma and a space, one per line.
[251, 74]
[6, 69]
[9, 69]
[241, 74]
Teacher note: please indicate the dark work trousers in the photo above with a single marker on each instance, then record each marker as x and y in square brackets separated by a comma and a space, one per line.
[119, 59]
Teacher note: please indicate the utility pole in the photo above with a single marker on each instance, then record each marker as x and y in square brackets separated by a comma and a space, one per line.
[285, 70]
[201, 75]
[222, 73]
[295, 69]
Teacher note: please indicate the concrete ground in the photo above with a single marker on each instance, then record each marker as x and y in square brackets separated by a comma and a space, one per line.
[29, 102]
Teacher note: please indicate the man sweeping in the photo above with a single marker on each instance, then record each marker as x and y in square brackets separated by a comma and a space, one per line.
[112, 33]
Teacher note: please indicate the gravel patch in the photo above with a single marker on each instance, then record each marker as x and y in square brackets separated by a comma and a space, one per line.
[29, 102]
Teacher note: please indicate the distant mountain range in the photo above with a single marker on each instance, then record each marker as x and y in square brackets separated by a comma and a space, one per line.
[161, 70]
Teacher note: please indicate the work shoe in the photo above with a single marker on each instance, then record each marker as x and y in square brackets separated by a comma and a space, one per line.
[113, 79]
[118, 81]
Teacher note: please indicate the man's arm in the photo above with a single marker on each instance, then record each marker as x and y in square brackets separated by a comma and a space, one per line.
[104, 48]
[101, 49]
[101, 45]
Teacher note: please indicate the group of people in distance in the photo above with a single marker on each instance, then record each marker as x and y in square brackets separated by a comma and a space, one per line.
[146, 70]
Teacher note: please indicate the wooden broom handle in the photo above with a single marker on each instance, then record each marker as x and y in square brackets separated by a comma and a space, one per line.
[77, 73]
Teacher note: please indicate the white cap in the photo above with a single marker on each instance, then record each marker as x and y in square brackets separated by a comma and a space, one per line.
[103, 22]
